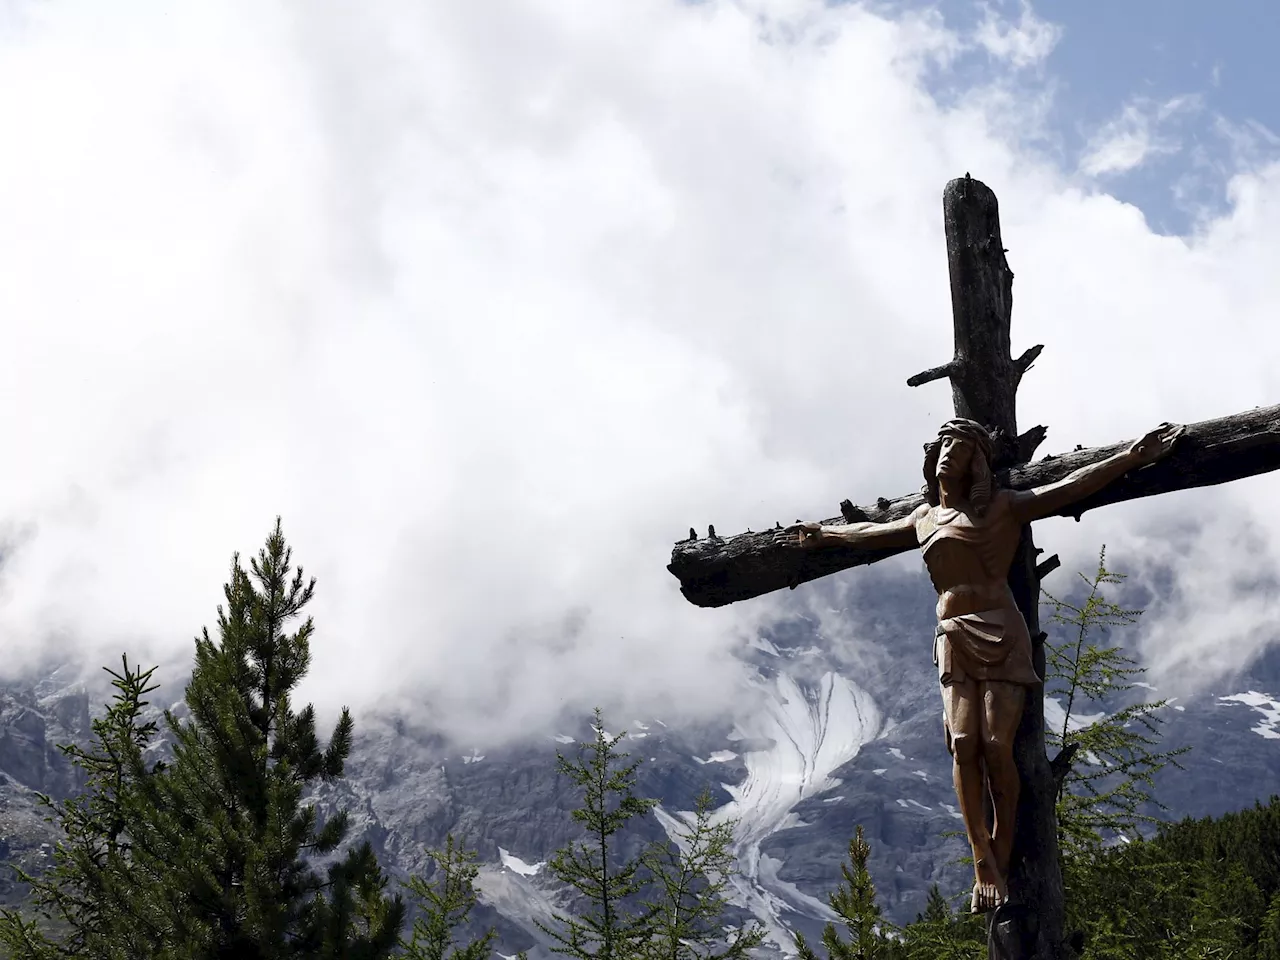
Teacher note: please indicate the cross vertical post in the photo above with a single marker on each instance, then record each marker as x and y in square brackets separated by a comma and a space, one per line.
[984, 382]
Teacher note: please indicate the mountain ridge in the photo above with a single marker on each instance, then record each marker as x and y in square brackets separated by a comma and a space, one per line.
[825, 737]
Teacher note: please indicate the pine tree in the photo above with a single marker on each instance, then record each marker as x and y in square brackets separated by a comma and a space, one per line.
[1107, 766]
[229, 843]
[855, 904]
[86, 895]
[610, 928]
[690, 876]
[446, 905]
[1136, 901]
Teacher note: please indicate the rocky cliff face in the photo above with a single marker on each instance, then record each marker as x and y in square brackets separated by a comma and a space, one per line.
[824, 739]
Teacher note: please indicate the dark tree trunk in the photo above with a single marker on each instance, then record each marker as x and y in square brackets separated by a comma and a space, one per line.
[984, 387]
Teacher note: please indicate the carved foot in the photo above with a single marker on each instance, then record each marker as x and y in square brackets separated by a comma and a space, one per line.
[989, 890]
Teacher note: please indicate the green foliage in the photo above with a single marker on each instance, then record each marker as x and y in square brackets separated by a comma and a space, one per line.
[237, 840]
[1269, 932]
[86, 893]
[1135, 900]
[1193, 890]
[690, 876]
[446, 904]
[854, 902]
[938, 933]
[211, 856]
[667, 903]
[1209, 884]
[1112, 760]
[609, 928]
[1249, 837]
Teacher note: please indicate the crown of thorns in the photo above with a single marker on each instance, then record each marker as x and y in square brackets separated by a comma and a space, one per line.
[971, 430]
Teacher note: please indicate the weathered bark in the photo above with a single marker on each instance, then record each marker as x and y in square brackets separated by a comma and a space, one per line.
[984, 381]
[984, 387]
[1031, 924]
[715, 572]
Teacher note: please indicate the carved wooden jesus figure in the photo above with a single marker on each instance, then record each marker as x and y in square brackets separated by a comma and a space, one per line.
[968, 531]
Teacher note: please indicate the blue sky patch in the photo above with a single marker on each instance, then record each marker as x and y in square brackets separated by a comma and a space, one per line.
[1158, 101]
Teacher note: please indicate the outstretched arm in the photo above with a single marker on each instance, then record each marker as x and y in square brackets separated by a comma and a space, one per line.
[1045, 501]
[894, 535]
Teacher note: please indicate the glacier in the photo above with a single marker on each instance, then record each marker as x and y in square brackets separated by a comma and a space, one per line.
[812, 732]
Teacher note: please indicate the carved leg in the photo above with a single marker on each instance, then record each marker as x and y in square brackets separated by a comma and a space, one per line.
[962, 715]
[1001, 713]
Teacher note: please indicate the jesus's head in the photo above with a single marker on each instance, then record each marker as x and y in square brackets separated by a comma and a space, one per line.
[961, 456]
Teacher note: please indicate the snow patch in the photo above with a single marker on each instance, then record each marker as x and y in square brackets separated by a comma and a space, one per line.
[917, 803]
[720, 756]
[953, 811]
[921, 774]
[474, 758]
[561, 738]
[880, 772]
[1055, 713]
[897, 753]
[516, 865]
[903, 804]
[515, 896]
[1266, 706]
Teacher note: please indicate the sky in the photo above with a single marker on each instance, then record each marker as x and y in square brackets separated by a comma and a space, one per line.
[492, 302]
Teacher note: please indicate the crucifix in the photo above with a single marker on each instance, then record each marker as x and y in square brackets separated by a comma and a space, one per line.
[972, 523]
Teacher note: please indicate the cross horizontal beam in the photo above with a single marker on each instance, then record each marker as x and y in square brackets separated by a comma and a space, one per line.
[716, 571]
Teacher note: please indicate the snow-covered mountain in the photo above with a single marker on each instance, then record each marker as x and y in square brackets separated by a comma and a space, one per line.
[826, 736]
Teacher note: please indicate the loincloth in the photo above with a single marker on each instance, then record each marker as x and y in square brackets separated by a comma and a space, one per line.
[984, 646]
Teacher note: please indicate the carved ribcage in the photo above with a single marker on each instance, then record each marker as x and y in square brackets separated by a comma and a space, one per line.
[972, 541]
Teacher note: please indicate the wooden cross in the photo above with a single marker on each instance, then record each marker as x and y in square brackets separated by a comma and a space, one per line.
[715, 571]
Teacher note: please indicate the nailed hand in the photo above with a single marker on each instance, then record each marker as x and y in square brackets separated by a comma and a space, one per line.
[1157, 444]
[801, 534]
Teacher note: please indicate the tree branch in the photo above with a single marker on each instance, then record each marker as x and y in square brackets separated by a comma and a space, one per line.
[1029, 441]
[1024, 362]
[933, 373]
[713, 573]
[1061, 765]
[1046, 567]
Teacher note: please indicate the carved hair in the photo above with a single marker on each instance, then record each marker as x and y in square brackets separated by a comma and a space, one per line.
[982, 484]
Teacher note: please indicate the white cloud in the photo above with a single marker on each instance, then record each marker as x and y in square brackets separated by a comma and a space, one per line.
[1028, 42]
[1137, 134]
[493, 302]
